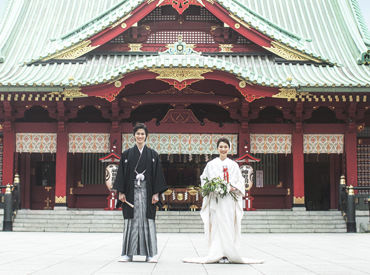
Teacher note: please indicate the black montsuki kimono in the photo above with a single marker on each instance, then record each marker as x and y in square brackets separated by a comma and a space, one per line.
[124, 182]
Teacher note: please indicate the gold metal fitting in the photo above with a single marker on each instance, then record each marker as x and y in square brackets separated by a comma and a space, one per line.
[342, 180]
[351, 191]
[8, 189]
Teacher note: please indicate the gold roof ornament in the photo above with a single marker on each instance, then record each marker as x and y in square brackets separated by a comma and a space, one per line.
[180, 74]
[289, 93]
[73, 52]
[289, 53]
[73, 93]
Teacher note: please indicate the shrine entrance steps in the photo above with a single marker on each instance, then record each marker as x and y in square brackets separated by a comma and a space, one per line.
[272, 221]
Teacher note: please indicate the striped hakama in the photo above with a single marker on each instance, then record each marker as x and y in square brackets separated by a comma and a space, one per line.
[139, 237]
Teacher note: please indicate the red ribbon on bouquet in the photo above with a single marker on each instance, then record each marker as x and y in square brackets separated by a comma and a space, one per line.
[226, 174]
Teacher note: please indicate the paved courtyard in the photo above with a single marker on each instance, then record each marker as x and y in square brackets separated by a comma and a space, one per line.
[97, 253]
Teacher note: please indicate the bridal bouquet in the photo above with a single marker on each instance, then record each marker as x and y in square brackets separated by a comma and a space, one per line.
[217, 187]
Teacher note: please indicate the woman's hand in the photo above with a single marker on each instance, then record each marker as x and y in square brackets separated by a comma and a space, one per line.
[155, 198]
[232, 189]
[122, 197]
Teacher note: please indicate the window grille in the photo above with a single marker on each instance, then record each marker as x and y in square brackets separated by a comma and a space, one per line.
[193, 13]
[118, 40]
[190, 37]
[93, 170]
[243, 40]
[363, 166]
[201, 14]
[269, 164]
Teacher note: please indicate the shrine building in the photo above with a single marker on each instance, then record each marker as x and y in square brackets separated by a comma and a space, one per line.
[287, 80]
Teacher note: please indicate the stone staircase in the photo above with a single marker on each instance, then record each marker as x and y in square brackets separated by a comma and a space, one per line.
[272, 221]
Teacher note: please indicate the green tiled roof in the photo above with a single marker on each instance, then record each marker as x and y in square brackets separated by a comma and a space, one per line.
[364, 30]
[267, 27]
[89, 28]
[333, 30]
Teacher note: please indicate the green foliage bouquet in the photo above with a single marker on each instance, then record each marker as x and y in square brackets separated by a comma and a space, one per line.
[217, 187]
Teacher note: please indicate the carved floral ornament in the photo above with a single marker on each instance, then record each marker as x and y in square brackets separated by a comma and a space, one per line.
[180, 74]
[180, 5]
[73, 52]
[289, 53]
[180, 78]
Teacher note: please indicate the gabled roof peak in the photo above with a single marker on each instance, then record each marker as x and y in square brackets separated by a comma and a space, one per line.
[126, 13]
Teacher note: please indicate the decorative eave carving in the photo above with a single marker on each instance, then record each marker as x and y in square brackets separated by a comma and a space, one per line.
[180, 48]
[289, 94]
[179, 5]
[180, 115]
[286, 93]
[180, 78]
[135, 47]
[73, 52]
[180, 74]
[289, 53]
[173, 91]
[226, 48]
[73, 93]
[364, 58]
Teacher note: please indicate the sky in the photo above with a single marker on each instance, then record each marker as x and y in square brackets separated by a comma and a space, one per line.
[364, 5]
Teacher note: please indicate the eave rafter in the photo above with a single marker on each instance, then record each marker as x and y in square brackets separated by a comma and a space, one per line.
[116, 28]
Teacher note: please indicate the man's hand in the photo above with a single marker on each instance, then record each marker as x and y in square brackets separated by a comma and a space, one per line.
[122, 197]
[155, 198]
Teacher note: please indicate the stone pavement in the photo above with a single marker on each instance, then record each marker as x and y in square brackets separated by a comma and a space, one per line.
[97, 253]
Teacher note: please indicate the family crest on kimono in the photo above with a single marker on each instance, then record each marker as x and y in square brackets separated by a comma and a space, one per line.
[139, 183]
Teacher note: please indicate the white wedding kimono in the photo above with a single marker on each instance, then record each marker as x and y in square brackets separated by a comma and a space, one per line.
[222, 219]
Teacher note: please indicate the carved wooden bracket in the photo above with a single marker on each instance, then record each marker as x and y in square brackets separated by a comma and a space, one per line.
[180, 115]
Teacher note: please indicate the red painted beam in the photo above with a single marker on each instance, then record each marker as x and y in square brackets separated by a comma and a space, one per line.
[250, 92]
[200, 47]
[109, 91]
[249, 33]
[110, 33]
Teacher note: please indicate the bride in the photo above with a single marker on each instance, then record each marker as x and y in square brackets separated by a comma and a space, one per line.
[222, 218]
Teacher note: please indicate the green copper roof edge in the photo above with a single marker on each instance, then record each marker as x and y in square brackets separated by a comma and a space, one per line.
[300, 47]
[79, 29]
[271, 23]
[97, 18]
[353, 89]
[355, 8]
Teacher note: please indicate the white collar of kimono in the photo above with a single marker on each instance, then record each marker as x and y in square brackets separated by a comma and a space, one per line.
[140, 150]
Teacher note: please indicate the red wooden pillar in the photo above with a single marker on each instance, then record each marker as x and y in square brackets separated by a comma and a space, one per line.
[244, 134]
[350, 147]
[298, 167]
[115, 131]
[116, 138]
[8, 153]
[61, 166]
[244, 138]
